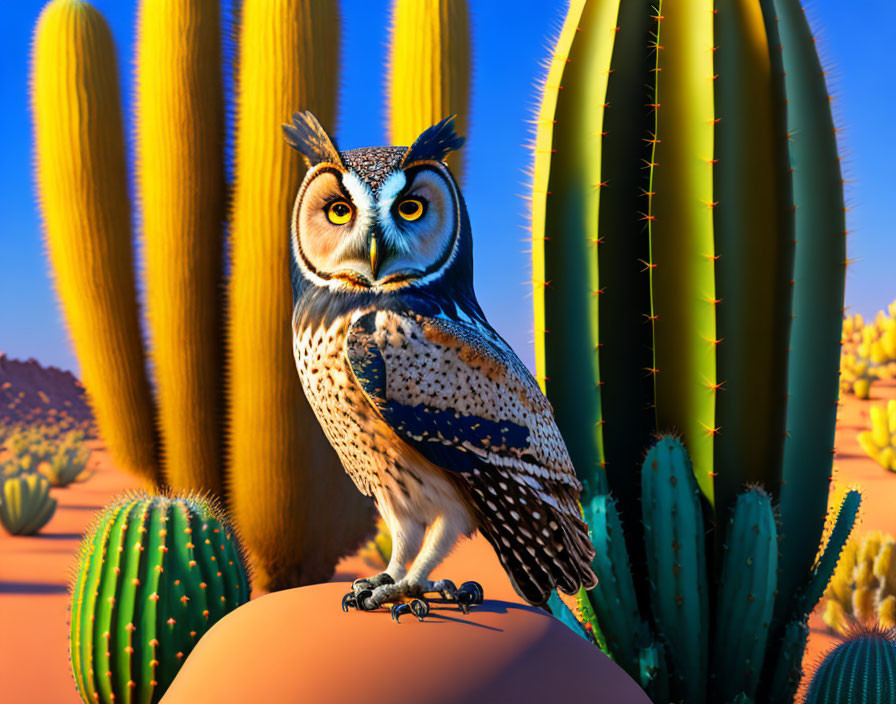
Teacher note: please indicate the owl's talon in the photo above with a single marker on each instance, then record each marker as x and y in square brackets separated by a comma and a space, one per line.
[358, 601]
[418, 607]
[447, 589]
[371, 583]
[469, 594]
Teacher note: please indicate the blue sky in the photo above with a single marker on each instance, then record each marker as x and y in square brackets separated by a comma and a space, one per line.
[511, 41]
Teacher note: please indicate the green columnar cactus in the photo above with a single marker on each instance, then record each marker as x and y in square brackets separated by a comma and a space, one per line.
[746, 594]
[25, 503]
[679, 259]
[663, 250]
[154, 574]
[862, 669]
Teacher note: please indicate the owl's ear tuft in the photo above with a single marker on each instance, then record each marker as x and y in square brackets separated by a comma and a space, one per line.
[435, 142]
[310, 139]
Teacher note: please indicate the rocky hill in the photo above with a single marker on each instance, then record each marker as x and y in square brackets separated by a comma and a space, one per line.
[33, 394]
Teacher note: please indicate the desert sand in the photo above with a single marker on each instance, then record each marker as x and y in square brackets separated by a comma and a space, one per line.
[34, 579]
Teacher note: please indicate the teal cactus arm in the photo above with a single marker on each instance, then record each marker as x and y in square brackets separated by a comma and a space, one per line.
[653, 672]
[742, 698]
[746, 595]
[862, 669]
[787, 670]
[676, 561]
[827, 563]
[819, 269]
[613, 599]
[563, 614]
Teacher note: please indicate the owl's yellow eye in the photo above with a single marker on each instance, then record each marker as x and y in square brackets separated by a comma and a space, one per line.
[339, 212]
[410, 209]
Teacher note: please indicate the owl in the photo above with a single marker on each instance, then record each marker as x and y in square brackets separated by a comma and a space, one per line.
[430, 411]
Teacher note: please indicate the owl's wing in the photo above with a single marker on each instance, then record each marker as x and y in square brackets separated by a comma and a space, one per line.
[463, 399]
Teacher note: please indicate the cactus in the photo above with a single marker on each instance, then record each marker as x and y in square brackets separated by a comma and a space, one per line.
[863, 588]
[67, 465]
[25, 503]
[746, 594]
[273, 458]
[429, 69]
[154, 574]
[377, 551]
[615, 599]
[880, 441]
[861, 669]
[280, 463]
[681, 255]
[869, 352]
[676, 562]
[180, 156]
[82, 181]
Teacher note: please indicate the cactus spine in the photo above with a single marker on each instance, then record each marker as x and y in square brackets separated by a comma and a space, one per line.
[25, 503]
[82, 180]
[429, 69]
[862, 669]
[154, 574]
[180, 129]
[284, 478]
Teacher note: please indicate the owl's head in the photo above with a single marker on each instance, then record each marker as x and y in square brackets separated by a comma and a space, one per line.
[378, 218]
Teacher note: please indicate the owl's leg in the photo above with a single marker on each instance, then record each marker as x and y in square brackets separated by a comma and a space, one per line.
[407, 536]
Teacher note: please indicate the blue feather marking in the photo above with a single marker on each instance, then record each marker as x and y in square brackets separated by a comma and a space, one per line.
[446, 438]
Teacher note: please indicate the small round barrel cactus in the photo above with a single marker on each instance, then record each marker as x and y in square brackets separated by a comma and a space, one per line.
[25, 503]
[155, 572]
[861, 669]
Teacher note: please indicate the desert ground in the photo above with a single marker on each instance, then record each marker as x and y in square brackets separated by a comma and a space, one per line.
[34, 571]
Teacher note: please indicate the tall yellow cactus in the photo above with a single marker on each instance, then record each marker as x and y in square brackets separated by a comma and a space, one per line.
[82, 181]
[429, 69]
[296, 508]
[180, 130]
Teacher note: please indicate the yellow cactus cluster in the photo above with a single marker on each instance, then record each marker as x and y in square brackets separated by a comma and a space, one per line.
[61, 458]
[863, 588]
[378, 550]
[227, 413]
[880, 441]
[869, 351]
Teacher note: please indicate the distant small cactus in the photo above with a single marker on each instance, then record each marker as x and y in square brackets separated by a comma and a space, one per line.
[880, 441]
[25, 503]
[863, 588]
[861, 669]
[868, 351]
[67, 465]
[153, 575]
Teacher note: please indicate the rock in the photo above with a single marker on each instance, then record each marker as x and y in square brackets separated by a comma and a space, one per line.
[299, 646]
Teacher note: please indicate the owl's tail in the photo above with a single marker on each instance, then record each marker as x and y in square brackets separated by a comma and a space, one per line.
[538, 534]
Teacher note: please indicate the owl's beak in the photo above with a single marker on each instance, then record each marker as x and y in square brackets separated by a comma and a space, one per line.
[375, 256]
